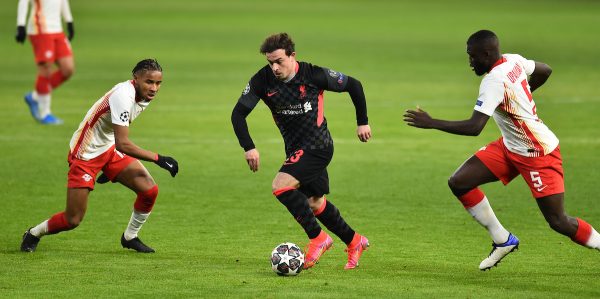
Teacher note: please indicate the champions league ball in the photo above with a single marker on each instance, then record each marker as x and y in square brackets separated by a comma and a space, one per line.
[287, 259]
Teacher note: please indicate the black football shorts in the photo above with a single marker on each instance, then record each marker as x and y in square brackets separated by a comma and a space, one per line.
[309, 167]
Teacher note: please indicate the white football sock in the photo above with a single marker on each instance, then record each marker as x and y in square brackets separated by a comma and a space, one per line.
[483, 213]
[40, 229]
[135, 224]
[43, 104]
[594, 241]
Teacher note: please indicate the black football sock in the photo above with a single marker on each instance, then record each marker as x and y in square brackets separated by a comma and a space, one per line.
[333, 221]
[297, 203]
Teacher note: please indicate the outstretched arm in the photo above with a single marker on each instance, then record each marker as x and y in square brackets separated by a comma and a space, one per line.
[124, 145]
[540, 74]
[470, 127]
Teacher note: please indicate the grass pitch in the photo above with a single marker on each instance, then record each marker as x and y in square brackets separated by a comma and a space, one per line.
[215, 224]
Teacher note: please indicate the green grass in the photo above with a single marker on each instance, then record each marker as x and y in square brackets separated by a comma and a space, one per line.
[215, 224]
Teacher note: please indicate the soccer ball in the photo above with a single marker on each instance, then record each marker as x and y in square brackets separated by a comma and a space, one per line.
[287, 259]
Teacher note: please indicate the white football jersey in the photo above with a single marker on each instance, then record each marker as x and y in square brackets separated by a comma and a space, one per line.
[45, 16]
[95, 134]
[504, 93]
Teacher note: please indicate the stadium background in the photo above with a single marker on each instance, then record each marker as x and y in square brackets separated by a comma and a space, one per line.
[215, 224]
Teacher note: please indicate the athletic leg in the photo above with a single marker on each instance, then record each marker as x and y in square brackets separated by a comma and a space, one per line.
[285, 188]
[464, 184]
[137, 178]
[66, 68]
[77, 199]
[582, 233]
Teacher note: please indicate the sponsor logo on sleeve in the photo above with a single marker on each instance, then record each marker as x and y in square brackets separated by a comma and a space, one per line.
[246, 90]
[333, 74]
[479, 103]
[341, 79]
[124, 116]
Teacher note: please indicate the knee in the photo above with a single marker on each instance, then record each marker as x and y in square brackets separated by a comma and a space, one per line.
[277, 185]
[74, 220]
[67, 72]
[455, 184]
[315, 203]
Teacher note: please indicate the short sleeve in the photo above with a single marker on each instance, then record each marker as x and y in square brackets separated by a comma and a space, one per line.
[120, 107]
[491, 94]
[528, 65]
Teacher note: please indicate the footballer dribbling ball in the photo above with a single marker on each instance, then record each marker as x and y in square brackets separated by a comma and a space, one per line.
[287, 259]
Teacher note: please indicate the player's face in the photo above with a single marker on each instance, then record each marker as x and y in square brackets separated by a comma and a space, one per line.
[283, 66]
[147, 84]
[478, 59]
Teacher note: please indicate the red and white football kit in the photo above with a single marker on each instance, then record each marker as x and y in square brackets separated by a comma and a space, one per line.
[45, 28]
[93, 144]
[527, 145]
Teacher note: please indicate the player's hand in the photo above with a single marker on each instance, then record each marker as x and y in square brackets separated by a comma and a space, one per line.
[21, 34]
[253, 159]
[102, 179]
[70, 31]
[364, 133]
[418, 118]
[168, 163]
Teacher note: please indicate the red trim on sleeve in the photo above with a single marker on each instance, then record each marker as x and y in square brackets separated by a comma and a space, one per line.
[283, 190]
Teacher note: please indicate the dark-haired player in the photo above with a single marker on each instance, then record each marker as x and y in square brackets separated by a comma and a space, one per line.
[527, 146]
[293, 91]
[101, 143]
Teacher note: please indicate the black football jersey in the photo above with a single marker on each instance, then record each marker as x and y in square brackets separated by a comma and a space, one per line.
[296, 105]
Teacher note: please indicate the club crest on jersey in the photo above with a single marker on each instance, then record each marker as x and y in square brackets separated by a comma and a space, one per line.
[302, 89]
[124, 116]
[246, 90]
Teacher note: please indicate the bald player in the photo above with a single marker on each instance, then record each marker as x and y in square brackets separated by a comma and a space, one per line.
[527, 146]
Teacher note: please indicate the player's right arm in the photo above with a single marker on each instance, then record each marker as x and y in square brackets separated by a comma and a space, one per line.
[245, 105]
[469, 127]
[21, 20]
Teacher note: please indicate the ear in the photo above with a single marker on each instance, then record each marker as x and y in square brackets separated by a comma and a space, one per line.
[293, 55]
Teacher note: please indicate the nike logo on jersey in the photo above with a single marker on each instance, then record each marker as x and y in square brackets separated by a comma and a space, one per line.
[270, 94]
[170, 165]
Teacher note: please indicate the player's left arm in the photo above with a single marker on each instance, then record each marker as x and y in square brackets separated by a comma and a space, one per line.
[335, 81]
[540, 74]
[68, 18]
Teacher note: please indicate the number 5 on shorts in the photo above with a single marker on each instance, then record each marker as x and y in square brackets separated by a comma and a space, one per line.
[536, 179]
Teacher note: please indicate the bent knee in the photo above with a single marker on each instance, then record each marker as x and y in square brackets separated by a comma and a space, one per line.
[74, 220]
[67, 72]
